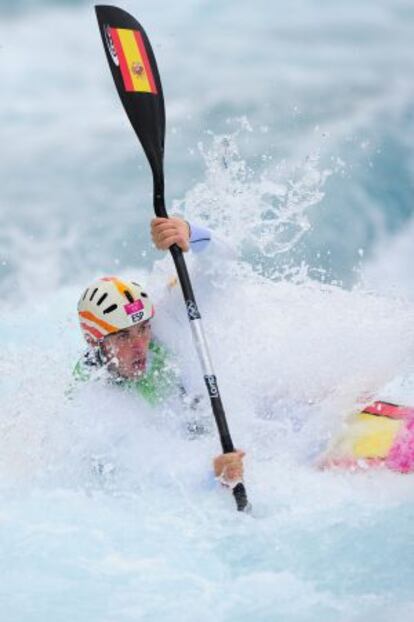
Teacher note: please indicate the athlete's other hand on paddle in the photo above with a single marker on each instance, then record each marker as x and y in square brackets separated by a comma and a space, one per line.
[228, 468]
[168, 231]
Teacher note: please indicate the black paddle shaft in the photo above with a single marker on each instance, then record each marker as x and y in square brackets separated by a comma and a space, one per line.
[137, 80]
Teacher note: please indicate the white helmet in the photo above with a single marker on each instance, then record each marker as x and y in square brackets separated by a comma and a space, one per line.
[109, 305]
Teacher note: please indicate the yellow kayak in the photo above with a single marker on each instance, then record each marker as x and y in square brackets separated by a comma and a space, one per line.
[382, 435]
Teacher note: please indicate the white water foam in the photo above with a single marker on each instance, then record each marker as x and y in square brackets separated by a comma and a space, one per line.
[115, 501]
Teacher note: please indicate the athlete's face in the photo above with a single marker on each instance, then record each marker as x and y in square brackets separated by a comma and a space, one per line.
[127, 350]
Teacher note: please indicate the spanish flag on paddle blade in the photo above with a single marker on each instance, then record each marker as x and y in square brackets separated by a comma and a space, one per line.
[133, 61]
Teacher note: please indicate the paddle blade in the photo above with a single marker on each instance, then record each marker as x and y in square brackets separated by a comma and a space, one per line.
[137, 80]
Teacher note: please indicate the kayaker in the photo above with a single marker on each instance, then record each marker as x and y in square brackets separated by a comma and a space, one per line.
[115, 317]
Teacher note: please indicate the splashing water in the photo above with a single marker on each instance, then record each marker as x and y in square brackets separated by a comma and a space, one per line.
[265, 213]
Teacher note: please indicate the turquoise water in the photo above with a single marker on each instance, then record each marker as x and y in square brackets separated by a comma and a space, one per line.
[289, 132]
[315, 83]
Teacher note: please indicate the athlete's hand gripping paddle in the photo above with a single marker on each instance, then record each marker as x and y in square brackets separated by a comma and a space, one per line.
[138, 83]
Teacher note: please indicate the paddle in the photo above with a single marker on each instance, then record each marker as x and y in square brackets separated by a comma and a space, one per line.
[138, 83]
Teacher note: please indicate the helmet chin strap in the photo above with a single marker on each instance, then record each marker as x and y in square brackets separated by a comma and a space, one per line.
[101, 356]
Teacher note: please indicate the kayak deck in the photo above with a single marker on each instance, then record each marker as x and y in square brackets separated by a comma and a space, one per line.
[381, 436]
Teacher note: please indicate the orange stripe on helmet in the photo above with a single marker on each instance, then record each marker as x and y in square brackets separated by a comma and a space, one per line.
[93, 331]
[120, 285]
[110, 328]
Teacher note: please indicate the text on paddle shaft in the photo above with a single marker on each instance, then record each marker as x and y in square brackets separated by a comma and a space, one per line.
[212, 387]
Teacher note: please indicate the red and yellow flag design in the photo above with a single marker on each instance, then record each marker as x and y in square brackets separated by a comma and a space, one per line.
[133, 61]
